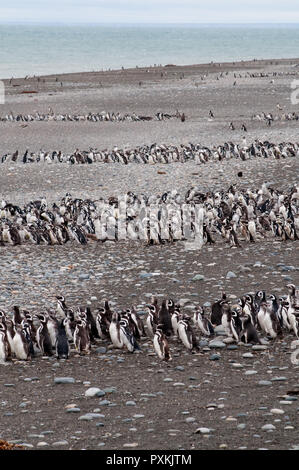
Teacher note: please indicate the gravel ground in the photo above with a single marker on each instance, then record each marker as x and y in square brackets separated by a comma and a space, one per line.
[242, 399]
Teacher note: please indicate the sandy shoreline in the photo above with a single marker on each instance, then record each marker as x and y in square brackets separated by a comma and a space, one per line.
[195, 90]
[141, 71]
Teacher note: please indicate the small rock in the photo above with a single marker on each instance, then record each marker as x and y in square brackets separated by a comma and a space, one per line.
[73, 410]
[64, 380]
[42, 444]
[248, 355]
[198, 277]
[202, 431]
[216, 344]
[94, 392]
[190, 419]
[131, 444]
[230, 275]
[60, 443]
[277, 411]
[215, 357]
[268, 427]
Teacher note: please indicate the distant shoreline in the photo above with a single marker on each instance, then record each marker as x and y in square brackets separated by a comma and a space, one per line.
[201, 67]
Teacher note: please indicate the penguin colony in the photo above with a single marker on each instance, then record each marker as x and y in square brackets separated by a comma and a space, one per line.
[90, 117]
[269, 116]
[234, 216]
[155, 153]
[23, 335]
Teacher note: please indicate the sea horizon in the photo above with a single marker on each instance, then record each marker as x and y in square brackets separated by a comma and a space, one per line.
[32, 49]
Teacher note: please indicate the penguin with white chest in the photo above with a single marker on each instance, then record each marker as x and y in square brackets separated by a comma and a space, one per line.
[151, 319]
[175, 318]
[186, 333]
[4, 344]
[120, 333]
[27, 333]
[52, 325]
[293, 308]
[203, 322]
[42, 336]
[102, 323]
[161, 345]
[69, 324]
[81, 337]
[271, 322]
[127, 337]
[20, 344]
[61, 306]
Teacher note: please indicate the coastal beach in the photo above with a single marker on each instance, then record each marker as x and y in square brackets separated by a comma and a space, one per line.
[147, 403]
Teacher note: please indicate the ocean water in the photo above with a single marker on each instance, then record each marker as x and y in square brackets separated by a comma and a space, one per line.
[49, 49]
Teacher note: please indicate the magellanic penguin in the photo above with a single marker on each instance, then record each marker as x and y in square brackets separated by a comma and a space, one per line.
[69, 324]
[292, 305]
[164, 317]
[151, 320]
[17, 317]
[62, 345]
[282, 314]
[10, 331]
[86, 315]
[102, 323]
[82, 338]
[186, 333]
[61, 306]
[248, 333]
[248, 307]
[175, 318]
[216, 314]
[203, 322]
[127, 337]
[52, 325]
[108, 311]
[135, 322]
[26, 328]
[161, 345]
[20, 344]
[261, 316]
[271, 322]
[5, 352]
[114, 331]
[120, 333]
[230, 321]
[42, 336]
[29, 320]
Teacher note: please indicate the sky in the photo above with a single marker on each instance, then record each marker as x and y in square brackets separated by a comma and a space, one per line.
[149, 11]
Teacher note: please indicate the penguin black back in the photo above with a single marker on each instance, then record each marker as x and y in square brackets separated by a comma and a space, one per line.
[165, 319]
[62, 344]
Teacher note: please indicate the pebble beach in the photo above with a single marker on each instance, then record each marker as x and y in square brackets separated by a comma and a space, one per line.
[229, 395]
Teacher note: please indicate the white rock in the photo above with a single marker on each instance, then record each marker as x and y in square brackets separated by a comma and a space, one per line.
[92, 392]
[268, 427]
[202, 431]
[277, 411]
